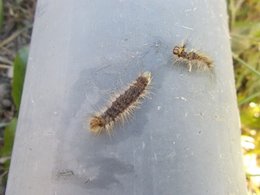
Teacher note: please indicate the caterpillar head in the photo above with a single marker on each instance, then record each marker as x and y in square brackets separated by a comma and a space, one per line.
[96, 124]
[178, 50]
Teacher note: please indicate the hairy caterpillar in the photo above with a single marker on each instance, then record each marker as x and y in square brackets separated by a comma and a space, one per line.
[192, 58]
[122, 106]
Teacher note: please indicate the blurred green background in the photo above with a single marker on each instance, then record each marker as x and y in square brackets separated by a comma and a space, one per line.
[16, 20]
[244, 23]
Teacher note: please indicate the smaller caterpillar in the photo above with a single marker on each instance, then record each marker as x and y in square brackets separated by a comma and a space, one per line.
[192, 58]
[122, 106]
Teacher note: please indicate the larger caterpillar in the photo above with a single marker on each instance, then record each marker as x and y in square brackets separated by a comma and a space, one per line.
[192, 58]
[122, 106]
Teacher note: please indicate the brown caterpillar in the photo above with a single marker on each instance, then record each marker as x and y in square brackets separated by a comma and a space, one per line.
[122, 107]
[192, 58]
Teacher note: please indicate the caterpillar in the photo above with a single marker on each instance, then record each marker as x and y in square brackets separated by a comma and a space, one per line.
[192, 58]
[122, 106]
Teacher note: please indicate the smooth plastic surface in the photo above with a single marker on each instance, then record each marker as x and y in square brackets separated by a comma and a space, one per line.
[184, 139]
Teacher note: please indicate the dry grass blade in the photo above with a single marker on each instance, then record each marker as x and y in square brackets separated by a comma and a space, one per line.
[13, 36]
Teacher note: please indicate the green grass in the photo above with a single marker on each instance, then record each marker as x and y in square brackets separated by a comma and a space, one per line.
[19, 75]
